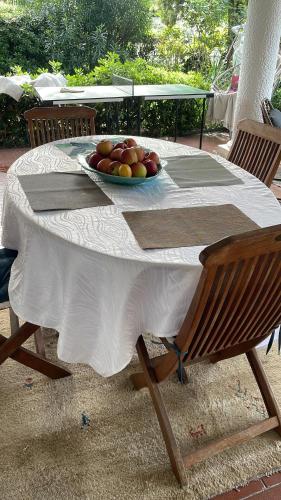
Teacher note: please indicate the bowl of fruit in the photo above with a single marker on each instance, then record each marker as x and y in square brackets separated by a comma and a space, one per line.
[123, 162]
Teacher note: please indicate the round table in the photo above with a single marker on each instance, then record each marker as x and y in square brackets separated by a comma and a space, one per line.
[82, 272]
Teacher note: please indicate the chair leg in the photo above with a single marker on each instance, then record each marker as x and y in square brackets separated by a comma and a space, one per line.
[264, 386]
[138, 379]
[39, 342]
[38, 335]
[11, 347]
[163, 419]
[14, 321]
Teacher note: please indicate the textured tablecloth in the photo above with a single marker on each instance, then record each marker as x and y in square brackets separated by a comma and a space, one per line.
[82, 272]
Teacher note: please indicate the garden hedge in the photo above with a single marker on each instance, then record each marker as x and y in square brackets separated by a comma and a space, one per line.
[157, 116]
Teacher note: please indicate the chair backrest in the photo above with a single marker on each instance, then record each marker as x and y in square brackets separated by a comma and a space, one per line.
[266, 107]
[51, 124]
[257, 149]
[237, 301]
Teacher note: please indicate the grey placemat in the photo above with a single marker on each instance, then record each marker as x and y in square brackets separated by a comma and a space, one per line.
[198, 171]
[73, 149]
[62, 191]
[186, 227]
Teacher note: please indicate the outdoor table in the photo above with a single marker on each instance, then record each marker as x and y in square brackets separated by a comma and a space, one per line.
[82, 272]
[124, 89]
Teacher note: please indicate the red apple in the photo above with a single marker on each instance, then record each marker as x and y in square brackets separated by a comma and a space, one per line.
[105, 166]
[140, 153]
[121, 145]
[93, 159]
[104, 147]
[153, 156]
[130, 142]
[129, 156]
[151, 167]
[138, 169]
[116, 154]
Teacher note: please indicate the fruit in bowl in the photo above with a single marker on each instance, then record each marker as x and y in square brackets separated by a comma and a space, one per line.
[124, 159]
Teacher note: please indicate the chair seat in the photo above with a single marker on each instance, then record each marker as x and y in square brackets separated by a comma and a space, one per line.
[7, 257]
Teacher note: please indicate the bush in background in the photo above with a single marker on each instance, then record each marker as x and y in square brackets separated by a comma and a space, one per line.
[75, 32]
[157, 116]
[22, 42]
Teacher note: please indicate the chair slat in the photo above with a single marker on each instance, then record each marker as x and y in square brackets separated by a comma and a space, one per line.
[218, 304]
[221, 331]
[50, 124]
[257, 149]
[251, 305]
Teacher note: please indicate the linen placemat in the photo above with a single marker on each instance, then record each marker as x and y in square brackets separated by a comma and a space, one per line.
[198, 171]
[75, 148]
[186, 227]
[62, 191]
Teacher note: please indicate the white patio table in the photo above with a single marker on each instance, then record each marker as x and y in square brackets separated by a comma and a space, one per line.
[82, 272]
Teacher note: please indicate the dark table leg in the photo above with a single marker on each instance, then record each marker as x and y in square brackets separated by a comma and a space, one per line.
[127, 115]
[176, 118]
[138, 116]
[117, 131]
[202, 123]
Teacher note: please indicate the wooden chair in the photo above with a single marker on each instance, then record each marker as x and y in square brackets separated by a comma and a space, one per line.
[11, 347]
[51, 124]
[257, 149]
[266, 107]
[236, 305]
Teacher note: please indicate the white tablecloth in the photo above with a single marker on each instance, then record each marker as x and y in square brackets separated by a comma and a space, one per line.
[82, 272]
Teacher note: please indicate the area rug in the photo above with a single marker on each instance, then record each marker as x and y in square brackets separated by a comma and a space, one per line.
[86, 437]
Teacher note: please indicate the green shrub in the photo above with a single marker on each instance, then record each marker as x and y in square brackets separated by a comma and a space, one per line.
[75, 32]
[276, 99]
[22, 42]
[13, 131]
[157, 116]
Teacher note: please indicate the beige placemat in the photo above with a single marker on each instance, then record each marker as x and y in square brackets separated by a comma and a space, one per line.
[186, 227]
[62, 191]
[198, 171]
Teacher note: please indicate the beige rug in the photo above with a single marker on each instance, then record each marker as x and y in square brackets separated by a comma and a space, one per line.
[118, 452]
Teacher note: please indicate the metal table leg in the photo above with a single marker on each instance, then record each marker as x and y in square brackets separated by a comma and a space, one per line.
[139, 116]
[202, 123]
[176, 118]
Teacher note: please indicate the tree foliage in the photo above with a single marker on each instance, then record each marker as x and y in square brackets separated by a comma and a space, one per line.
[75, 32]
[204, 24]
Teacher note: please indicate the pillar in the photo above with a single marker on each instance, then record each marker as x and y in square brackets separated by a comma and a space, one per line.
[260, 50]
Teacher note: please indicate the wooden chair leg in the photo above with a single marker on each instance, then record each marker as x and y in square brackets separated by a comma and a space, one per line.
[138, 379]
[38, 335]
[14, 321]
[264, 387]
[11, 347]
[163, 419]
[39, 342]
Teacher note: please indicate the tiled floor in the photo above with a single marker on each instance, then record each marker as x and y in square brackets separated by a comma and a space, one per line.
[8, 156]
[266, 488]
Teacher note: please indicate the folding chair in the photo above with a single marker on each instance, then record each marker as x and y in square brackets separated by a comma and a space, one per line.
[266, 108]
[11, 347]
[237, 304]
[257, 149]
[51, 124]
